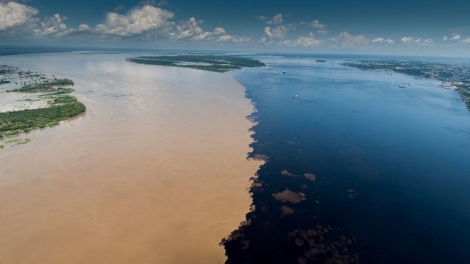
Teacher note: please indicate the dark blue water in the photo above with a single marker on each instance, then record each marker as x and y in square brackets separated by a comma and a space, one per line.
[392, 167]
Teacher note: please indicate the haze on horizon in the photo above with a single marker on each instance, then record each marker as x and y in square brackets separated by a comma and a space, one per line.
[434, 27]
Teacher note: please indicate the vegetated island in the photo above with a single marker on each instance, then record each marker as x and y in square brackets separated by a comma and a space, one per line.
[34, 101]
[453, 76]
[214, 63]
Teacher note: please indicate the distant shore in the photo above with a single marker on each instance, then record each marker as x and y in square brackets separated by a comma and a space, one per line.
[453, 77]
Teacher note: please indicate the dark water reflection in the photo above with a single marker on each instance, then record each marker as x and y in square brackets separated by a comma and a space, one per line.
[392, 167]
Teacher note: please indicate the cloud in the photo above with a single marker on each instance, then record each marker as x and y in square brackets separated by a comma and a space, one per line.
[455, 37]
[187, 28]
[210, 35]
[445, 38]
[219, 31]
[427, 42]
[53, 26]
[382, 41]
[137, 21]
[190, 30]
[83, 27]
[407, 40]
[466, 41]
[308, 41]
[14, 15]
[262, 18]
[317, 25]
[146, 22]
[277, 19]
[277, 32]
[417, 42]
[235, 39]
[347, 39]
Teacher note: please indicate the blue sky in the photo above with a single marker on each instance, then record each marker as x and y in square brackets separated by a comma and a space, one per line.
[432, 27]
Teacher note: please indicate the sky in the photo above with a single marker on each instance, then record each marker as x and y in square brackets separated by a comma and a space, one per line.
[402, 27]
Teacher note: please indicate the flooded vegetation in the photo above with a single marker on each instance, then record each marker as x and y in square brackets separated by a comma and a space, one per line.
[48, 104]
[46, 86]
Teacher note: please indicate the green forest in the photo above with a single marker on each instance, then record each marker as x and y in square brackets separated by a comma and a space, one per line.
[62, 108]
[214, 63]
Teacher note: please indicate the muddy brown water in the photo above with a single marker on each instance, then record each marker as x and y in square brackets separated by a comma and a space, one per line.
[154, 172]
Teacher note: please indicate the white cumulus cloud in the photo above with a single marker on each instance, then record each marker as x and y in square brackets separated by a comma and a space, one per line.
[347, 39]
[382, 41]
[307, 41]
[427, 42]
[14, 15]
[277, 32]
[455, 37]
[137, 21]
[317, 25]
[188, 28]
[277, 19]
[407, 40]
[217, 33]
[417, 42]
[83, 27]
[53, 26]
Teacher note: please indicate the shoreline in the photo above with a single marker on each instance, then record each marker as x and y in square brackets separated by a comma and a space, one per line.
[154, 174]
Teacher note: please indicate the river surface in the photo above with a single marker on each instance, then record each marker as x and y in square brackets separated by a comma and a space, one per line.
[155, 171]
[392, 166]
[357, 169]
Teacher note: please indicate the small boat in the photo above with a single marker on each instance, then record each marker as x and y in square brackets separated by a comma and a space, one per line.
[283, 71]
[295, 96]
[401, 86]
